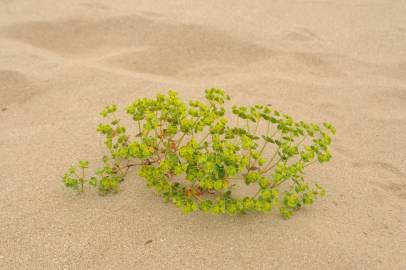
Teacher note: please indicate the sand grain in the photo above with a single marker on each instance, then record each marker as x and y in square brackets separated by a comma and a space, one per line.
[337, 61]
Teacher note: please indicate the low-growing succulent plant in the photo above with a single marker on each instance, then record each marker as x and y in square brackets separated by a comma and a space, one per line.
[193, 154]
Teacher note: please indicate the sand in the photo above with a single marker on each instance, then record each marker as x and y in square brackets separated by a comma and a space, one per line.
[332, 60]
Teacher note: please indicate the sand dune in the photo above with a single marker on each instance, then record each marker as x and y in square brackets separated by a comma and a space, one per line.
[15, 87]
[156, 47]
[336, 61]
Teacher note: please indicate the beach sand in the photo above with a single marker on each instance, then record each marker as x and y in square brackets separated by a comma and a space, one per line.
[339, 61]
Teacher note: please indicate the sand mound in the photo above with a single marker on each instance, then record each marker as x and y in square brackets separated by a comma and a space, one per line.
[14, 88]
[158, 48]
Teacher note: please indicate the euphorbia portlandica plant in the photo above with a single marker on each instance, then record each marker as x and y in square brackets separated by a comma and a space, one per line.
[193, 155]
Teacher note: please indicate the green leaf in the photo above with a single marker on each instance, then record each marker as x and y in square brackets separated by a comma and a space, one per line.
[93, 181]
[286, 212]
[218, 185]
[84, 164]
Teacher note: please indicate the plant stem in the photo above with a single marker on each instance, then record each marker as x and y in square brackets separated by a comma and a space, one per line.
[256, 126]
[301, 141]
[257, 193]
[204, 138]
[139, 126]
[180, 140]
[278, 184]
[270, 162]
[130, 165]
[82, 179]
[197, 197]
[310, 163]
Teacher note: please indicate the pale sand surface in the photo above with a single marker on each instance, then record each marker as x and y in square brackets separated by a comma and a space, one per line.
[333, 60]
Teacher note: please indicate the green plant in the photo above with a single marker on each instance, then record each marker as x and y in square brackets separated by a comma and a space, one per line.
[193, 155]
